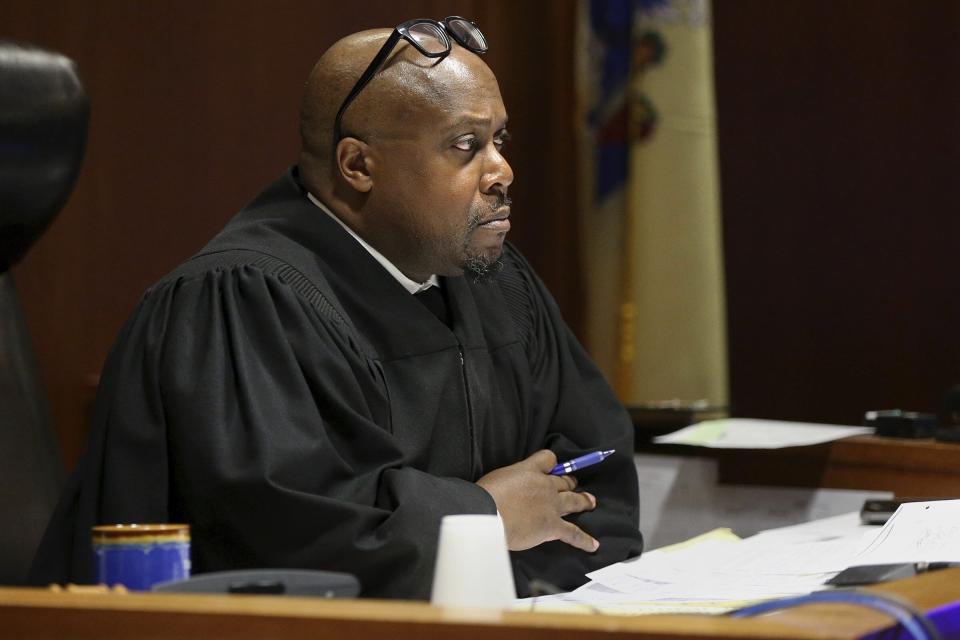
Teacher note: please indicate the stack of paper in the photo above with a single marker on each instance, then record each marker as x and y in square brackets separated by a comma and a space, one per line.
[718, 571]
[749, 433]
[918, 532]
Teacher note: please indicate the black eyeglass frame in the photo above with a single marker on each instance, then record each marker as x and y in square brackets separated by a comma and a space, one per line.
[403, 31]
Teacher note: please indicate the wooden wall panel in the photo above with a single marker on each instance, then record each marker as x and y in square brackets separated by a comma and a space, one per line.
[195, 109]
[839, 130]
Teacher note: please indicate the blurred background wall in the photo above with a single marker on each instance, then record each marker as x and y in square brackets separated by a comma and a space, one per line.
[839, 145]
[839, 133]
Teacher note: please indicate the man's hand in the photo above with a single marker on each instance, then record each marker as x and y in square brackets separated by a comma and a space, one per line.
[532, 503]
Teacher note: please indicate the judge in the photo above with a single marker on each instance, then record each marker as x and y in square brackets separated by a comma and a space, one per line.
[359, 353]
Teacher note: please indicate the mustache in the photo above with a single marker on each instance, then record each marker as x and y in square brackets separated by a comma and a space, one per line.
[478, 214]
[503, 200]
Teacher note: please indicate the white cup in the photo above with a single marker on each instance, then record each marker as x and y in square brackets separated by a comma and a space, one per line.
[473, 564]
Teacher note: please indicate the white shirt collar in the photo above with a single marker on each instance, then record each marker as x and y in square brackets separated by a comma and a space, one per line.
[410, 285]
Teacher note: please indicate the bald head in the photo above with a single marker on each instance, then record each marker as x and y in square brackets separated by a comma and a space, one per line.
[418, 172]
[405, 85]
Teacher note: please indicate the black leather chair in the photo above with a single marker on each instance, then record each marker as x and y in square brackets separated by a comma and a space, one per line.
[44, 113]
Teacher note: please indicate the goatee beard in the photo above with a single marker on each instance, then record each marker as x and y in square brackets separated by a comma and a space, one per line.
[478, 267]
[482, 269]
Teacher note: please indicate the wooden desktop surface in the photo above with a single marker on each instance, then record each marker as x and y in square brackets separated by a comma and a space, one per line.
[39, 613]
[908, 468]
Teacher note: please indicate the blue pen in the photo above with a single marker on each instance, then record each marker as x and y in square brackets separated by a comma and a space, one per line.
[576, 464]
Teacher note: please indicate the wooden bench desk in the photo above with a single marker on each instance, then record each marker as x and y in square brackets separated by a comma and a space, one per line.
[38, 613]
[908, 468]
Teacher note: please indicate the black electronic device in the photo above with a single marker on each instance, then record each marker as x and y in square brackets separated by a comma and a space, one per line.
[876, 511]
[949, 430]
[290, 582]
[947, 434]
[873, 573]
[896, 423]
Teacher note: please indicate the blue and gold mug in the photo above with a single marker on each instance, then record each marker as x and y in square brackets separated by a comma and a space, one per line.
[139, 556]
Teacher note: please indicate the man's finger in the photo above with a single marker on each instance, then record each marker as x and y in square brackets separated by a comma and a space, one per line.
[572, 502]
[564, 483]
[544, 460]
[576, 537]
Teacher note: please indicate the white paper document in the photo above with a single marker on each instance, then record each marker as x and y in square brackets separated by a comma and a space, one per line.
[916, 532]
[718, 572]
[748, 433]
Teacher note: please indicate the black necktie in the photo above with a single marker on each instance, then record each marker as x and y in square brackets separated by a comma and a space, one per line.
[433, 299]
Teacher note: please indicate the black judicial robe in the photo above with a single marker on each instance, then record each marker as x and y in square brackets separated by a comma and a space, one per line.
[282, 394]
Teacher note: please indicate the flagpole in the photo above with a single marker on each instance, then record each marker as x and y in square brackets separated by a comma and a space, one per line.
[627, 316]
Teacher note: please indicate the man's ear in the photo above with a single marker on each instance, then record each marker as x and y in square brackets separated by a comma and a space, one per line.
[354, 164]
